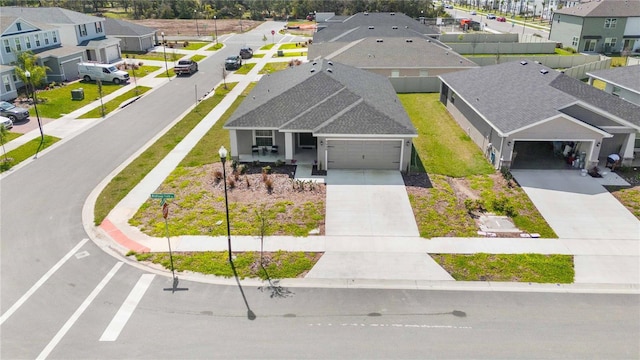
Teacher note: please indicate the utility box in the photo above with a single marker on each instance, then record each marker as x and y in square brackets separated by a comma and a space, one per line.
[280, 53]
[77, 94]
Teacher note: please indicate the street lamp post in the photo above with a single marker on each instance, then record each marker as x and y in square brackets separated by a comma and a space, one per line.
[223, 158]
[240, 9]
[215, 26]
[195, 15]
[35, 105]
[164, 50]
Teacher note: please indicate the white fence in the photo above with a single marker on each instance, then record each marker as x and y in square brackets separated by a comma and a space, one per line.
[552, 61]
[503, 48]
[579, 72]
[633, 61]
[415, 84]
[478, 38]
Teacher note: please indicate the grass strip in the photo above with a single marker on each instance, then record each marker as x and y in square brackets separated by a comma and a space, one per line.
[267, 47]
[195, 45]
[244, 70]
[534, 268]
[291, 54]
[198, 58]
[115, 103]
[215, 47]
[270, 68]
[164, 74]
[25, 151]
[57, 102]
[128, 178]
[280, 265]
[142, 71]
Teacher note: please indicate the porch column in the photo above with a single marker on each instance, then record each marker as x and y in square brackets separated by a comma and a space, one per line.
[233, 144]
[628, 148]
[288, 146]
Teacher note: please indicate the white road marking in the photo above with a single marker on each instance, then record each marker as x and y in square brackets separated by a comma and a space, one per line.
[121, 318]
[82, 254]
[76, 315]
[39, 283]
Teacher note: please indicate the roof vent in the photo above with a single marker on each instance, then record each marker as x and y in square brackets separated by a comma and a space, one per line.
[394, 27]
[379, 40]
[392, 14]
[313, 70]
[406, 27]
[409, 40]
[371, 28]
[330, 70]
[447, 53]
[314, 63]
[523, 62]
[366, 13]
[543, 71]
[330, 62]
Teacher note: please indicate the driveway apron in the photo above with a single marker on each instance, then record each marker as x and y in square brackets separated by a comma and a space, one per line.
[368, 203]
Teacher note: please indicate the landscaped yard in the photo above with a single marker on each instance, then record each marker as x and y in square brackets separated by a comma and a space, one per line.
[302, 53]
[272, 67]
[58, 101]
[245, 68]
[158, 56]
[142, 71]
[195, 45]
[115, 103]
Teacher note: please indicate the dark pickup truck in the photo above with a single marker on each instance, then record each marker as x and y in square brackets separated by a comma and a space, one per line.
[185, 67]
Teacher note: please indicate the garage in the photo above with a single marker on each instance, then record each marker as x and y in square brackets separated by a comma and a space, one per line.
[549, 154]
[112, 54]
[70, 69]
[364, 154]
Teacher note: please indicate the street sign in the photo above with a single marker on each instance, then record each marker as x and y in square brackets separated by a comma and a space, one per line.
[273, 32]
[163, 196]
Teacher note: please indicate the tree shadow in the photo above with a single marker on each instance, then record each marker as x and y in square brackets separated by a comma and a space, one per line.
[250, 314]
[276, 290]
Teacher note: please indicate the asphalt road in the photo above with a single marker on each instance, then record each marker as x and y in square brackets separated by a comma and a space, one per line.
[504, 27]
[94, 306]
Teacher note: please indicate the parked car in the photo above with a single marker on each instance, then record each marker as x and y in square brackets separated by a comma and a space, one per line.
[6, 122]
[246, 53]
[13, 112]
[233, 63]
[472, 13]
[501, 19]
[448, 6]
[491, 16]
[187, 66]
[103, 72]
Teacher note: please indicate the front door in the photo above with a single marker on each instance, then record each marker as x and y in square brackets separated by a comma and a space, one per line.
[307, 141]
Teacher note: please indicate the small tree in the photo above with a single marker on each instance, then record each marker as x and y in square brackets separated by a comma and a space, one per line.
[3, 139]
[28, 61]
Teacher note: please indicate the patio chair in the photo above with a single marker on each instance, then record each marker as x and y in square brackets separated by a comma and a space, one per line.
[274, 149]
[255, 149]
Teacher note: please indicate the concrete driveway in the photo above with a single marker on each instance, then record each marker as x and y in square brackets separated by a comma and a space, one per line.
[578, 207]
[368, 203]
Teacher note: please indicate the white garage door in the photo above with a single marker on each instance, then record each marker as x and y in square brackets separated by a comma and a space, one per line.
[70, 69]
[364, 154]
[112, 54]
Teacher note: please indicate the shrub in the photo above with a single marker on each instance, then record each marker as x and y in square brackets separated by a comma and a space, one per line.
[246, 179]
[217, 175]
[269, 185]
[232, 183]
[266, 169]
[234, 165]
[503, 205]
[279, 162]
[265, 176]
[185, 44]
[242, 169]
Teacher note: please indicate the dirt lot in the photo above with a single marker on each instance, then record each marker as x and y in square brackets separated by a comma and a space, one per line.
[207, 27]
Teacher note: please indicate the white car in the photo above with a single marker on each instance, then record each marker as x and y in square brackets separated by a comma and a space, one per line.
[6, 122]
[473, 13]
[491, 16]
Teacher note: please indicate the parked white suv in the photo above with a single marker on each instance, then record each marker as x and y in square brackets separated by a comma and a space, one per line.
[104, 72]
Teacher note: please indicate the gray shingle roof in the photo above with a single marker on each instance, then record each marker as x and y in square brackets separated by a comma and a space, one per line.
[392, 52]
[49, 15]
[512, 96]
[7, 20]
[117, 27]
[358, 26]
[617, 8]
[627, 77]
[344, 101]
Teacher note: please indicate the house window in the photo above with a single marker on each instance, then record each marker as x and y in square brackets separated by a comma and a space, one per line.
[19, 26]
[46, 38]
[610, 23]
[7, 47]
[574, 41]
[18, 44]
[6, 82]
[37, 37]
[395, 73]
[82, 29]
[590, 45]
[15, 78]
[615, 91]
[98, 27]
[27, 41]
[55, 37]
[263, 137]
[610, 43]
[453, 97]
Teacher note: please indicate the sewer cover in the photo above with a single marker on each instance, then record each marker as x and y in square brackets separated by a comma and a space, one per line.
[493, 223]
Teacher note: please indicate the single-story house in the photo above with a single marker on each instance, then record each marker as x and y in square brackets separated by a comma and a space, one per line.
[345, 117]
[525, 115]
[623, 82]
[134, 37]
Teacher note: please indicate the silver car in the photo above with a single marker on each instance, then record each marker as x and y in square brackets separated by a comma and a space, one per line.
[6, 122]
[13, 112]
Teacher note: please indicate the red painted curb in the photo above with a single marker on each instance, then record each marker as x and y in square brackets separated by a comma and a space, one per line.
[122, 239]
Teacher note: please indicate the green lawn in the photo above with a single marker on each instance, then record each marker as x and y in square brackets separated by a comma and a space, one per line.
[302, 53]
[273, 67]
[164, 74]
[12, 136]
[535, 268]
[195, 45]
[129, 177]
[58, 101]
[157, 56]
[267, 47]
[198, 58]
[115, 103]
[258, 56]
[142, 71]
[245, 68]
[26, 151]
[247, 264]
[443, 147]
[215, 47]
[291, 46]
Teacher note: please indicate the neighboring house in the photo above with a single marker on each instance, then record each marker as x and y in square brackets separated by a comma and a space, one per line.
[133, 37]
[623, 82]
[348, 118]
[412, 63]
[376, 25]
[598, 26]
[535, 112]
[75, 29]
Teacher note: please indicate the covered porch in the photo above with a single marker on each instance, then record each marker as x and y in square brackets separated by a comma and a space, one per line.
[272, 145]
